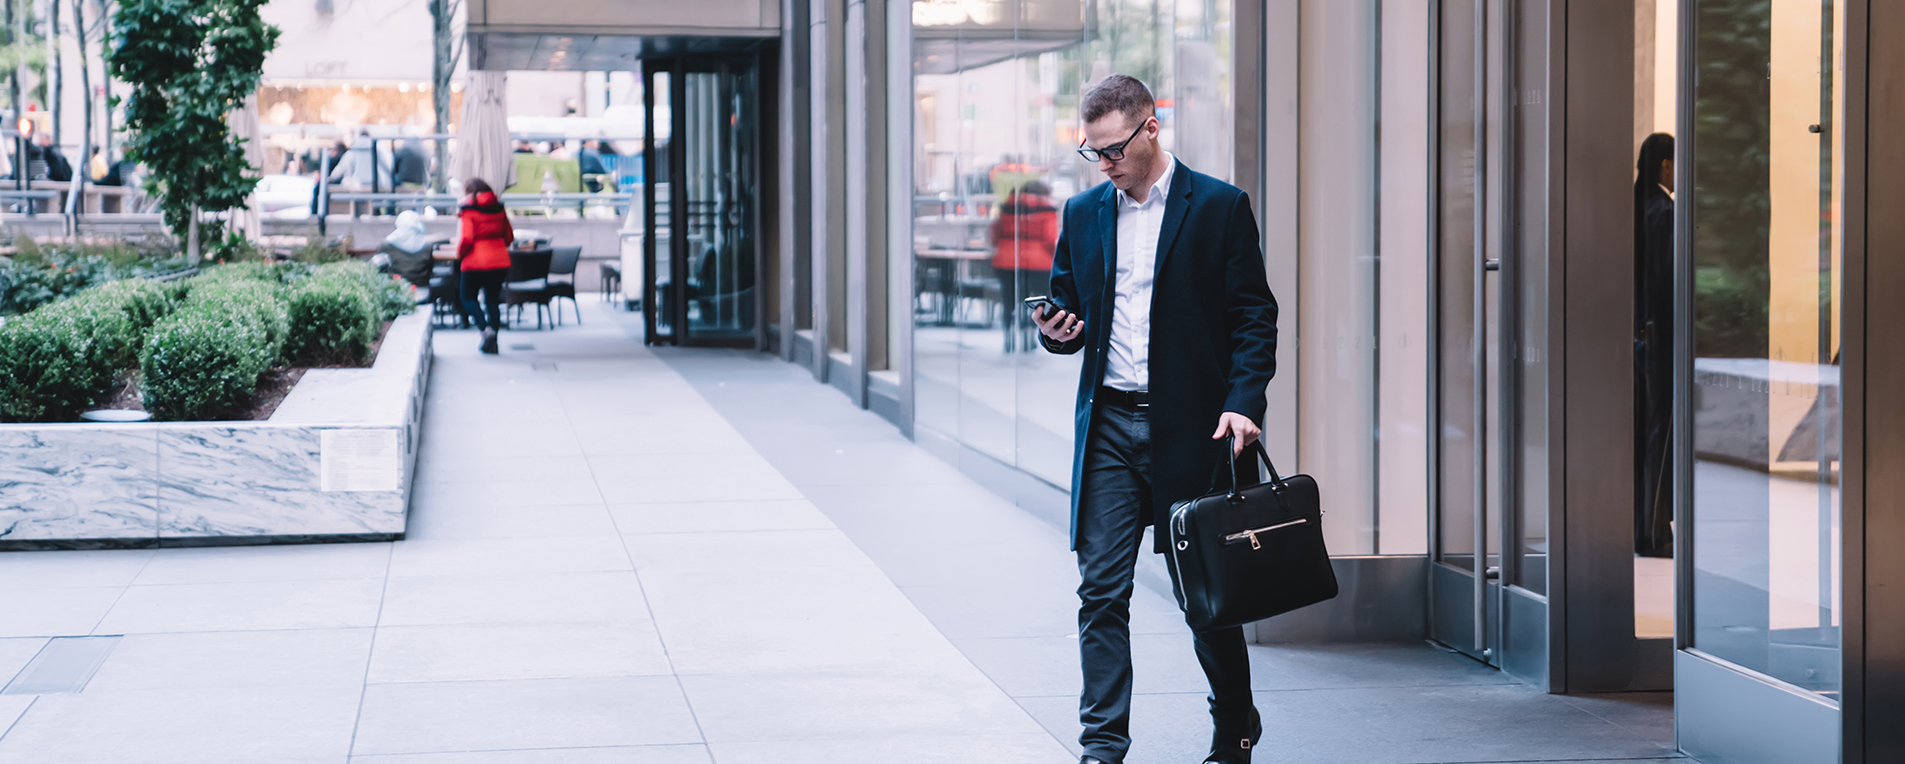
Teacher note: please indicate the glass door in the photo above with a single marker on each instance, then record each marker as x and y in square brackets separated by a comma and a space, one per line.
[703, 214]
[1759, 518]
[1469, 388]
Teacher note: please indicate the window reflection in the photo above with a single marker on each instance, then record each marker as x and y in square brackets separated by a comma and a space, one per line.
[996, 125]
[1765, 386]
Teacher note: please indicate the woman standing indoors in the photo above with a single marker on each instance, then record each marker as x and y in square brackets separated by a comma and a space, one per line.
[1653, 345]
[483, 248]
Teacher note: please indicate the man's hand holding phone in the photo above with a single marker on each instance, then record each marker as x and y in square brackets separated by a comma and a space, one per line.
[1056, 324]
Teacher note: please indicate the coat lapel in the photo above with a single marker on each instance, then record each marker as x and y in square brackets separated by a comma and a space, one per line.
[1108, 231]
[1175, 208]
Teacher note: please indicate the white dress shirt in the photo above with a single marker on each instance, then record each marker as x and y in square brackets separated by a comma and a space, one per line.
[1128, 366]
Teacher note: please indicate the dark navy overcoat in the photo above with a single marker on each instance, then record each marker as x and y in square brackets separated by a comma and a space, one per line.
[1213, 326]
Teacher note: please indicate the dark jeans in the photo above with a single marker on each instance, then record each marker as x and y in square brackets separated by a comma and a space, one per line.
[1113, 509]
[490, 284]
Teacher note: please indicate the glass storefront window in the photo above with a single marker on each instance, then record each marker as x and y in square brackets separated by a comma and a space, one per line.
[1765, 386]
[996, 97]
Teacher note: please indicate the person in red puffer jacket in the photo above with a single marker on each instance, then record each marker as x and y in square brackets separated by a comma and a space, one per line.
[483, 248]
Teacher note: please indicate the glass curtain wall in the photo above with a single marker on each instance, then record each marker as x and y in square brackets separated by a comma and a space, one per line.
[996, 94]
[1766, 254]
[1361, 307]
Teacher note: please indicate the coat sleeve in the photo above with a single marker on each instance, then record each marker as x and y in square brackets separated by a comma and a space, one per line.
[465, 238]
[1251, 312]
[1064, 288]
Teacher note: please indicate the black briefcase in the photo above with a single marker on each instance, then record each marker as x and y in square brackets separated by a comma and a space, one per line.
[1247, 554]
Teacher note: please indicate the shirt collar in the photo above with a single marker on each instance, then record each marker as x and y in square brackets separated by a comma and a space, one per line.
[1160, 190]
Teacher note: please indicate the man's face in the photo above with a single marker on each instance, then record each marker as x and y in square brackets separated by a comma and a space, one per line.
[1140, 155]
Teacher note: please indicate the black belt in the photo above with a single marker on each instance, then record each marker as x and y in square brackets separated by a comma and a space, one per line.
[1131, 399]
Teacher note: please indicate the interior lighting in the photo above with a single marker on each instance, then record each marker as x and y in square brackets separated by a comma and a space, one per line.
[403, 87]
[939, 13]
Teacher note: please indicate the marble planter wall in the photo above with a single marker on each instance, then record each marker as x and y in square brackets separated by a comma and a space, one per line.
[336, 461]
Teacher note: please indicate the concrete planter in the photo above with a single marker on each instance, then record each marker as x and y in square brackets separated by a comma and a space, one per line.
[335, 462]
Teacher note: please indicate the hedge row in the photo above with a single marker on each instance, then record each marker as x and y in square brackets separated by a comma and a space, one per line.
[57, 360]
[202, 344]
[37, 274]
[203, 362]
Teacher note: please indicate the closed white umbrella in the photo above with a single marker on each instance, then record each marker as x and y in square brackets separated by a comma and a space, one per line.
[243, 122]
[482, 137]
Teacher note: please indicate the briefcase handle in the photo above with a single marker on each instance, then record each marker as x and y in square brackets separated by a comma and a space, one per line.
[1230, 453]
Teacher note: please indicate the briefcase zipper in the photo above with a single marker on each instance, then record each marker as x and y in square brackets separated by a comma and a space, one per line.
[1252, 533]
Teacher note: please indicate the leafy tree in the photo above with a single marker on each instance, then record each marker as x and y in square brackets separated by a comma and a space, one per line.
[1732, 173]
[190, 62]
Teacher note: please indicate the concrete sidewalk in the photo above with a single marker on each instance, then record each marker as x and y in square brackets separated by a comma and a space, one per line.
[599, 569]
[676, 557]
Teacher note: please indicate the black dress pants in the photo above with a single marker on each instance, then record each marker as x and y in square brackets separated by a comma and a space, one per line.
[1113, 509]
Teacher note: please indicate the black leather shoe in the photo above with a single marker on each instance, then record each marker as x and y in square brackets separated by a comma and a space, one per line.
[1225, 749]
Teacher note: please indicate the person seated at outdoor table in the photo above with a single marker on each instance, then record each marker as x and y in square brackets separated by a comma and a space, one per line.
[97, 166]
[409, 249]
[483, 247]
[411, 169]
[57, 168]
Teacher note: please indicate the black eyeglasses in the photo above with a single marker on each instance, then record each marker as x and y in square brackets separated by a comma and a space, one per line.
[1113, 153]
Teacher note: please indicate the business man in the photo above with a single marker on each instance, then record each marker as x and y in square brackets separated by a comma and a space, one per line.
[1160, 281]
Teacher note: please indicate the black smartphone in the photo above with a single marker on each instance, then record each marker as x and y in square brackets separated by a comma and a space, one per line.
[1035, 302]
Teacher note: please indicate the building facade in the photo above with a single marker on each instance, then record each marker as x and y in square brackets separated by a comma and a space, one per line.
[1575, 325]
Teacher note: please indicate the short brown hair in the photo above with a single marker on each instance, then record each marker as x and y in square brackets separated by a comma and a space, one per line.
[1121, 93]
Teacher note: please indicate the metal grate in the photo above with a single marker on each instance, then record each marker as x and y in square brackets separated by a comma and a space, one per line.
[64, 665]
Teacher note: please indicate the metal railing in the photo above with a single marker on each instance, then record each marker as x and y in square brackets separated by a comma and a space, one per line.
[398, 202]
[10, 196]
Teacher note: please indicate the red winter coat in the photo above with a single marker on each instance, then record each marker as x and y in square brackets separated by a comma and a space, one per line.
[1023, 235]
[484, 243]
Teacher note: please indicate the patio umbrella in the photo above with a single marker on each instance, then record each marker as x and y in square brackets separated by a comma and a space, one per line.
[482, 137]
[243, 122]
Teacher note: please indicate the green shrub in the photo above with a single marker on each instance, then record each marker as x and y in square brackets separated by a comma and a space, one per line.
[391, 296]
[57, 361]
[203, 362]
[37, 274]
[333, 320]
[142, 302]
[316, 252]
[257, 298]
[246, 271]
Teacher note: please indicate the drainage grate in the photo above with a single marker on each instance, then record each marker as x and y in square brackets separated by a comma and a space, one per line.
[522, 346]
[64, 665]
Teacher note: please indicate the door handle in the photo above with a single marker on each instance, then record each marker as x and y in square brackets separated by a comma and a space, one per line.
[1492, 264]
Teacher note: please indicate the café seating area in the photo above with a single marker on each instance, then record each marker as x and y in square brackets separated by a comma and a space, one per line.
[539, 275]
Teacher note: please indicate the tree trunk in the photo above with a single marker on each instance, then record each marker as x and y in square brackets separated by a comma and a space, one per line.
[105, 72]
[83, 171]
[53, 96]
[441, 69]
[192, 253]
